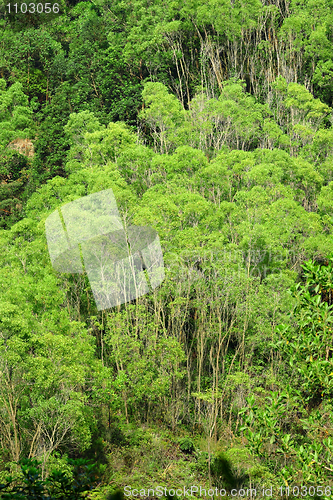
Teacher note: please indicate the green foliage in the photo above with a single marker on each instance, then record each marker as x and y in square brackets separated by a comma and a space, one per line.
[15, 114]
[56, 485]
[309, 343]
[287, 422]
[186, 445]
[212, 124]
[223, 475]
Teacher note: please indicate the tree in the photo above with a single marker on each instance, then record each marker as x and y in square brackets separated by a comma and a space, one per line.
[15, 114]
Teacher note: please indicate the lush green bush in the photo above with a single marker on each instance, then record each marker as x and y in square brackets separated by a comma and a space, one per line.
[186, 445]
[56, 486]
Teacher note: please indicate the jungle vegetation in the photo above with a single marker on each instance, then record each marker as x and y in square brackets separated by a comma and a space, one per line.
[212, 123]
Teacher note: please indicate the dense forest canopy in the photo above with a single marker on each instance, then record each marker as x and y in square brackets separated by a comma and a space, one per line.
[212, 124]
